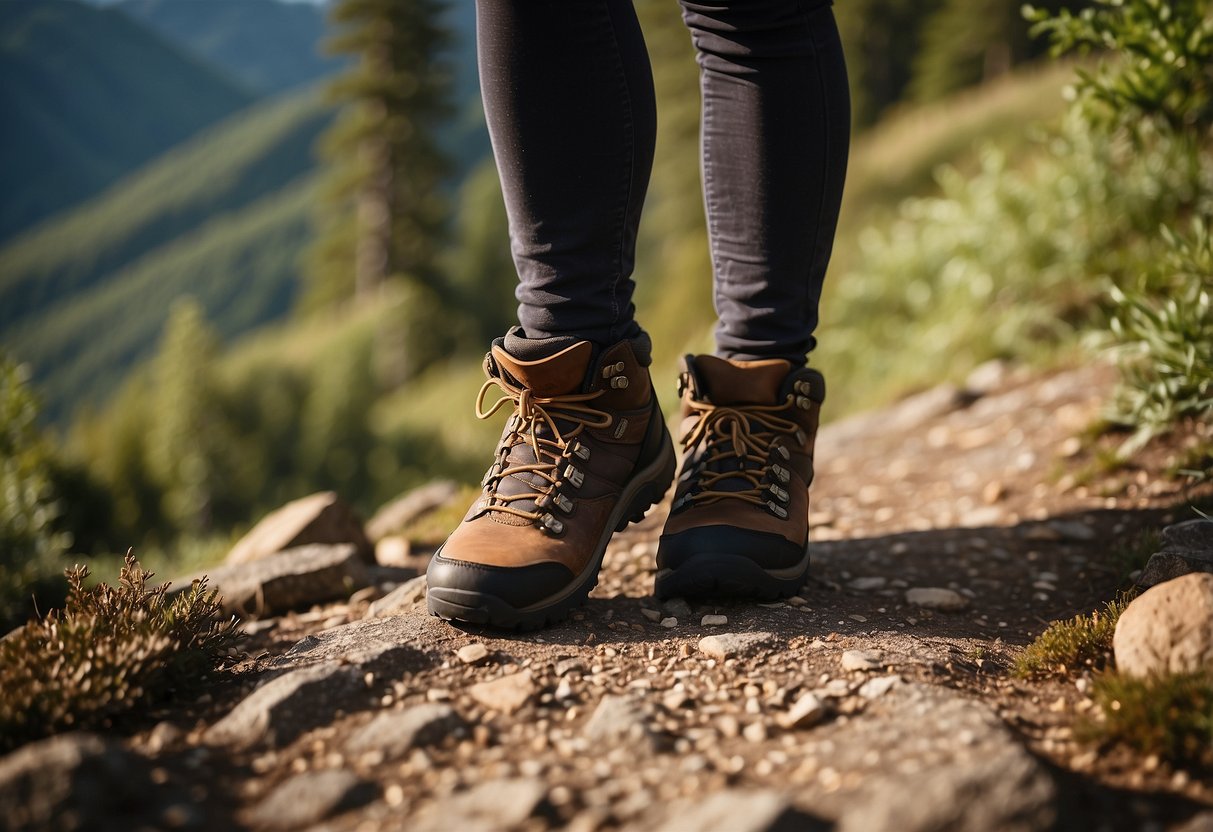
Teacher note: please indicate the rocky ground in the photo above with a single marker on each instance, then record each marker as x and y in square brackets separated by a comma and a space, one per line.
[949, 531]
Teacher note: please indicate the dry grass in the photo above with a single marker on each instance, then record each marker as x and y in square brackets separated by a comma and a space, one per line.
[109, 652]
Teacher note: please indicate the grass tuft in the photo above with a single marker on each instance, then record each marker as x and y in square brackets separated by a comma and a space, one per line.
[1080, 643]
[109, 651]
[1169, 716]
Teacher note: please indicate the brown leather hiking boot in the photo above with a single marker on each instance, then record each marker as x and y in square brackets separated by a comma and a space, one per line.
[585, 452]
[739, 524]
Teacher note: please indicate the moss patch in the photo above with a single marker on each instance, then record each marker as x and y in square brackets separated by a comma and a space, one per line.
[1084, 641]
[1168, 716]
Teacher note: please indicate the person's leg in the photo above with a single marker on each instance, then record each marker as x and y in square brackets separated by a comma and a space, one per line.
[569, 100]
[776, 124]
[776, 128]
[568, 96]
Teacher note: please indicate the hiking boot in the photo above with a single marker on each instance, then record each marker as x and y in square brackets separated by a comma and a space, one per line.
[739, 523]
[584, 453]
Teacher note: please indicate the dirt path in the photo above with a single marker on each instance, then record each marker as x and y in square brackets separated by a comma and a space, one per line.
[864, 703]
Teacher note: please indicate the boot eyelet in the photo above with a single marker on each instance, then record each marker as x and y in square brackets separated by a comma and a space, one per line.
[783, 452]
[581, 452]
[804, 402]
[778, 510]
[551, 525]
[620, 428]
[779, 494]
[780, 473]
[619, 382]
[563, 503]
[801, 437]
[802, 387]
[575, 477]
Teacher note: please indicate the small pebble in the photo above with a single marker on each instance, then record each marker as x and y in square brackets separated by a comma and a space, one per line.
[473, 653]
[714, 620]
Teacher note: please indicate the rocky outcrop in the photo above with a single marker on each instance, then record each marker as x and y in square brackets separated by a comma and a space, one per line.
[318, 518]
[1186, 548]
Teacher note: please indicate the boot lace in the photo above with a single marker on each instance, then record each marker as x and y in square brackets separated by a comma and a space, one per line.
[738, 445]
[535, 419]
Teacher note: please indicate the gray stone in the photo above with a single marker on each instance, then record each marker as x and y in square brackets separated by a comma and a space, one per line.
[381, 645]
[871, 583]
[1187, 548]
[1010, 792]
[474, 653]
[406, 598]
[937, 598]
[1167, 629]
[81, 781]
[506, 693]
[317, 518]
[1189, 536]
[395, 733]
[619, 719]
[738, 811]
[807, 712]
[392, 518]
[286, 580]
[491, 806]
[856, 660]
[729, 645]
[928, 758]
[311, 797]
[878, 686]
[285, 707]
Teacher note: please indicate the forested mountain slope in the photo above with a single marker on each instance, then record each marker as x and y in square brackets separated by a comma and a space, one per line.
[87, 95]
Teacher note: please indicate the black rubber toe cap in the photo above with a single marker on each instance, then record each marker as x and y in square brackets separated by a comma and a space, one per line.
[517, 586]
[767, 550]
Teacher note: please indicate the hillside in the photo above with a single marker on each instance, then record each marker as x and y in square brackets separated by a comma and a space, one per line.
[88, 95]
[85, 295]
[265, 45]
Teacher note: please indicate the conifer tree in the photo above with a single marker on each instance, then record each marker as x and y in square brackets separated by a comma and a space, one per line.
[185, 436]
[383, 213]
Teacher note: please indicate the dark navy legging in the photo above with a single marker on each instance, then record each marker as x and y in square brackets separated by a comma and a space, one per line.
[568, 94]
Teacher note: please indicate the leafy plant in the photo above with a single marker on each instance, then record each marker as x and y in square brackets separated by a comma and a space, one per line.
[1165, 340]
[1082, 642]
[1159, 64]
[109, 651]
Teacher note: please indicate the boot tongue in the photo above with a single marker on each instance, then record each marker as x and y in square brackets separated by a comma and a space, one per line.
[556, 375]
[726, 382]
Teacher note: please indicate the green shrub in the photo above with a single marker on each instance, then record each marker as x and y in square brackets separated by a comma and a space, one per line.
[30, 542]
[1079, 643]
[109, 651]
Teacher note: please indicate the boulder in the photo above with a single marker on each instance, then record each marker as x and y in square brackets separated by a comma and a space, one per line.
[393, 517]
[318, 518]
[286, 580]
[1167, 629]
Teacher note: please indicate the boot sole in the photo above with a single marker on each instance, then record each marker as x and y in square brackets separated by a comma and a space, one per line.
[640, 494]
[725, 576]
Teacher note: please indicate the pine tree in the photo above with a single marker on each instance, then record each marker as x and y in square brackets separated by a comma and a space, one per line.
[383, 214]
[186, 435]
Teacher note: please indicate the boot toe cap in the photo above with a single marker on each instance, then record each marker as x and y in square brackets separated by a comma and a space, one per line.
[476, 584]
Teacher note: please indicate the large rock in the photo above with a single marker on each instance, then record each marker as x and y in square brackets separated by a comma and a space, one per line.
[1168, 628]
[285, 707]
[318, 518]
[392, 646]
[80, 781]
[927, 758]
[738, 811]
[287, 580]
[311, 797]
[1009, 791]
[395, 733]
[393, 517]
[1186, 548]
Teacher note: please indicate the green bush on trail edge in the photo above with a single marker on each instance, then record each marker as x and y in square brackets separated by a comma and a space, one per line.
[1082, 642]
[109, 651]
[1168, 716]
